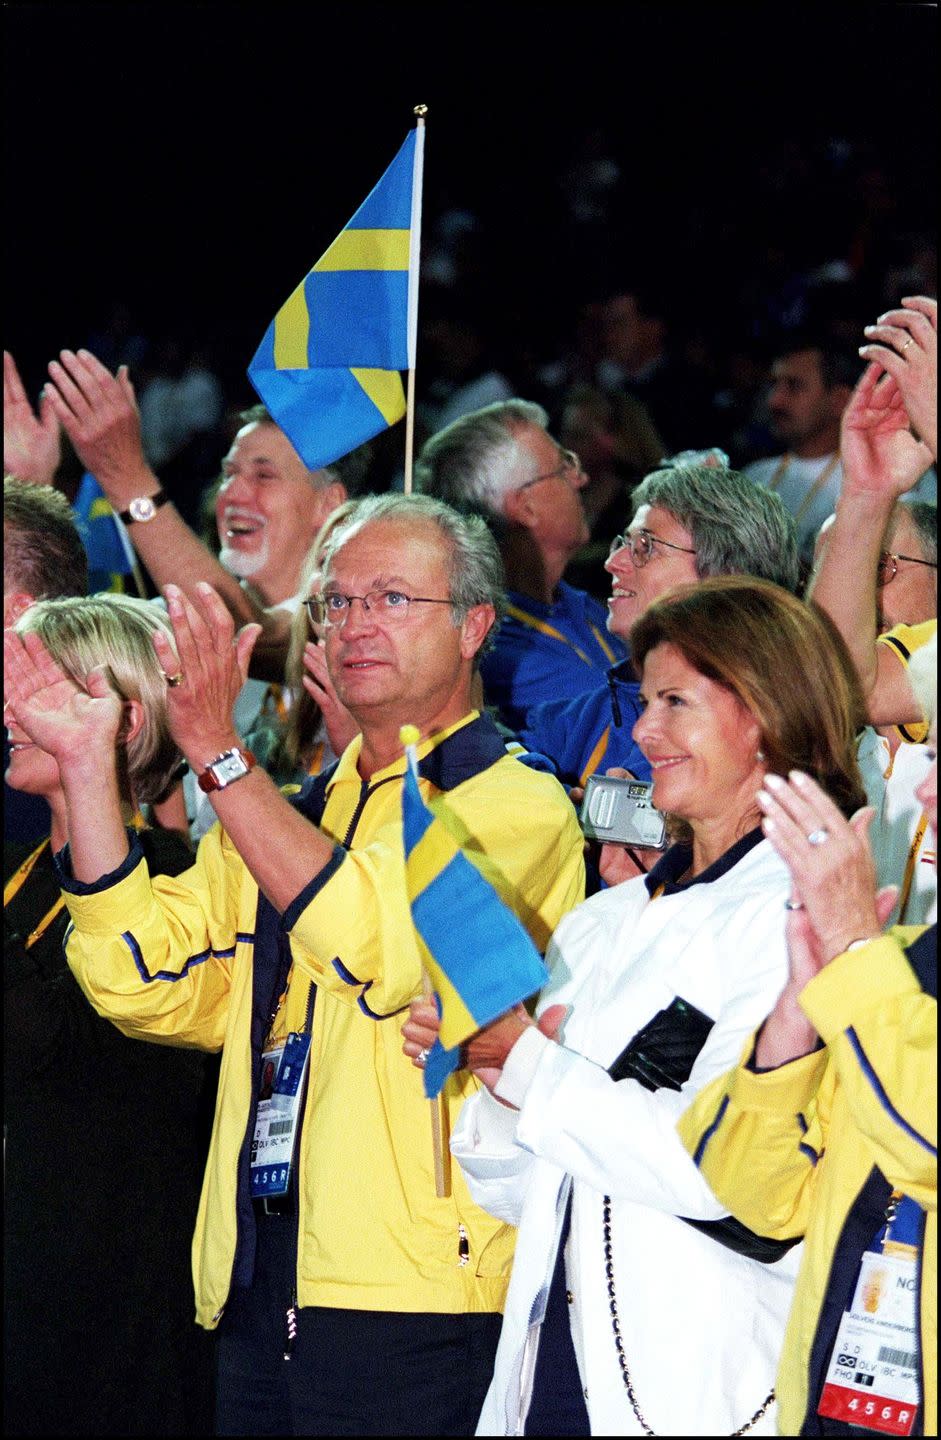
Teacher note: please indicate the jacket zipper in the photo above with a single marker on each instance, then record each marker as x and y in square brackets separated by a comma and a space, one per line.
[366, 789]
[290, 1314]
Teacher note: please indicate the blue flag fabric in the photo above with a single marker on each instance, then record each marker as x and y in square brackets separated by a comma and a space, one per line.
[479, 957]
[110, 557]
[328, 366]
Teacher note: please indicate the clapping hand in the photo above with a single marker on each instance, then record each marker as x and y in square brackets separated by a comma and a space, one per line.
[68, 721]
[831, 866]
[904, 344]
[205, 672]
[32, 445]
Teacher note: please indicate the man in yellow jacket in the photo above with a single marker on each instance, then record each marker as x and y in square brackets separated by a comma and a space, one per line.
[352, 1298]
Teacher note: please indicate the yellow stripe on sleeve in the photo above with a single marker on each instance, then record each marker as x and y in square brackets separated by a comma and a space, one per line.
[367, 250]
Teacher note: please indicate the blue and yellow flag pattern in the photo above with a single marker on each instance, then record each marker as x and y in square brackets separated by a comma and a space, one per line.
[110, 556]
[328, 366]
[480, 959]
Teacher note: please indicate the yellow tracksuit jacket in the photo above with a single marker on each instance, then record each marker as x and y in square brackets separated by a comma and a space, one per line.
[791, 1151]
[172, 959]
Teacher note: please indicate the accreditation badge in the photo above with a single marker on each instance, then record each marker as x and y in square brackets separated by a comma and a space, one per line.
[872, 1378]
[283, 1067]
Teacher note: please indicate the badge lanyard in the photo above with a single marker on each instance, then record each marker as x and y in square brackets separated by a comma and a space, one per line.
[544, 628]
[15, 884]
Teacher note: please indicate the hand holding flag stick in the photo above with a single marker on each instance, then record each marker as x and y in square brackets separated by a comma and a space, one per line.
[480, 960]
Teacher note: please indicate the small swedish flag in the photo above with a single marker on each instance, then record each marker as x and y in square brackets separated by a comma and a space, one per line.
[328, 366]
[478, 956]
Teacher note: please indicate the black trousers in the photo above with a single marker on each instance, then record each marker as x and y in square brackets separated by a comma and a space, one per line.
[351, 1372]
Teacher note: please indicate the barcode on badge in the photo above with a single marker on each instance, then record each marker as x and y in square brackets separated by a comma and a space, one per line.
[281, 1127]
[888, 1356]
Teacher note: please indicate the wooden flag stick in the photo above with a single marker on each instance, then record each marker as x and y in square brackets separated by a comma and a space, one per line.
[440, 1147]
[414, 259]
[440, 1138]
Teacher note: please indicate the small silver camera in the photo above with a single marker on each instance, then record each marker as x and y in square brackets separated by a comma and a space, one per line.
[619, 812]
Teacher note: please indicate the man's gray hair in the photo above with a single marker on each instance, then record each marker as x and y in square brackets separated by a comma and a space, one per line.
[473, 462]
[737, 527]
[475, 570]
[925, 517]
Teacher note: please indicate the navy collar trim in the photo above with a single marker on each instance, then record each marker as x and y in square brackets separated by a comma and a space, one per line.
[676, 861]
[473, 748]
[622, 674]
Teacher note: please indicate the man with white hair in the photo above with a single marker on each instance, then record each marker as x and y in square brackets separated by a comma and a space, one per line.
[501, 462]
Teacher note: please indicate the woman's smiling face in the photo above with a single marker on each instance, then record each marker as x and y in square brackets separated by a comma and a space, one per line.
[701, 742]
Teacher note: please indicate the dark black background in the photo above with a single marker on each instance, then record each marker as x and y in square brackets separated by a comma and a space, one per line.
[194, 160]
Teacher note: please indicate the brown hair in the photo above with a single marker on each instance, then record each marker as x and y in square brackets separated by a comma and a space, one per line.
[784, 660]
[43, 553]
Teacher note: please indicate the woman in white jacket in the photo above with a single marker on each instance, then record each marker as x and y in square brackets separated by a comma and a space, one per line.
[636, 1305]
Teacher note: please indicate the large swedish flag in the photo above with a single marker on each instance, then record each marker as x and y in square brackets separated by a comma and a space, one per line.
[479, 957]
[328, 366]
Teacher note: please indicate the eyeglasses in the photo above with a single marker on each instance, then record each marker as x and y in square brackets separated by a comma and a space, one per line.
[640, 543]
[333, 608]
[889, 565]
[570, 465]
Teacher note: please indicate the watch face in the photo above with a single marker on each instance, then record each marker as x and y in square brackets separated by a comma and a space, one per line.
[143, 508]
[230, 768]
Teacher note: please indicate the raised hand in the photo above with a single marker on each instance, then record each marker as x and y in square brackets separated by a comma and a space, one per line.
[831, 865]
[205, 673]
[880, 455]
[98, 412]
[341, 727]
[904, 343]
[32, 445]
[71, 723]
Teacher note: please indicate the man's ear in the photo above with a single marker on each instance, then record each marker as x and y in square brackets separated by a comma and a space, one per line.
[475, 628]
[328, 498]
[519, 507]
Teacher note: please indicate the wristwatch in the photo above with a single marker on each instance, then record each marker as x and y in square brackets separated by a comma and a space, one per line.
[143, 507]
[230, 765]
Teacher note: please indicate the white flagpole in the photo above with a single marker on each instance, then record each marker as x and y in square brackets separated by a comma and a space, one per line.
[414, 259]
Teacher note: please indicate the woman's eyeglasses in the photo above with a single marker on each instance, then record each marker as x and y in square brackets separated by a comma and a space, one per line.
[641, 545]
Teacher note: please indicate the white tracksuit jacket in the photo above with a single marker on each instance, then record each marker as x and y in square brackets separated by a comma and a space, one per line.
[701, 1325]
